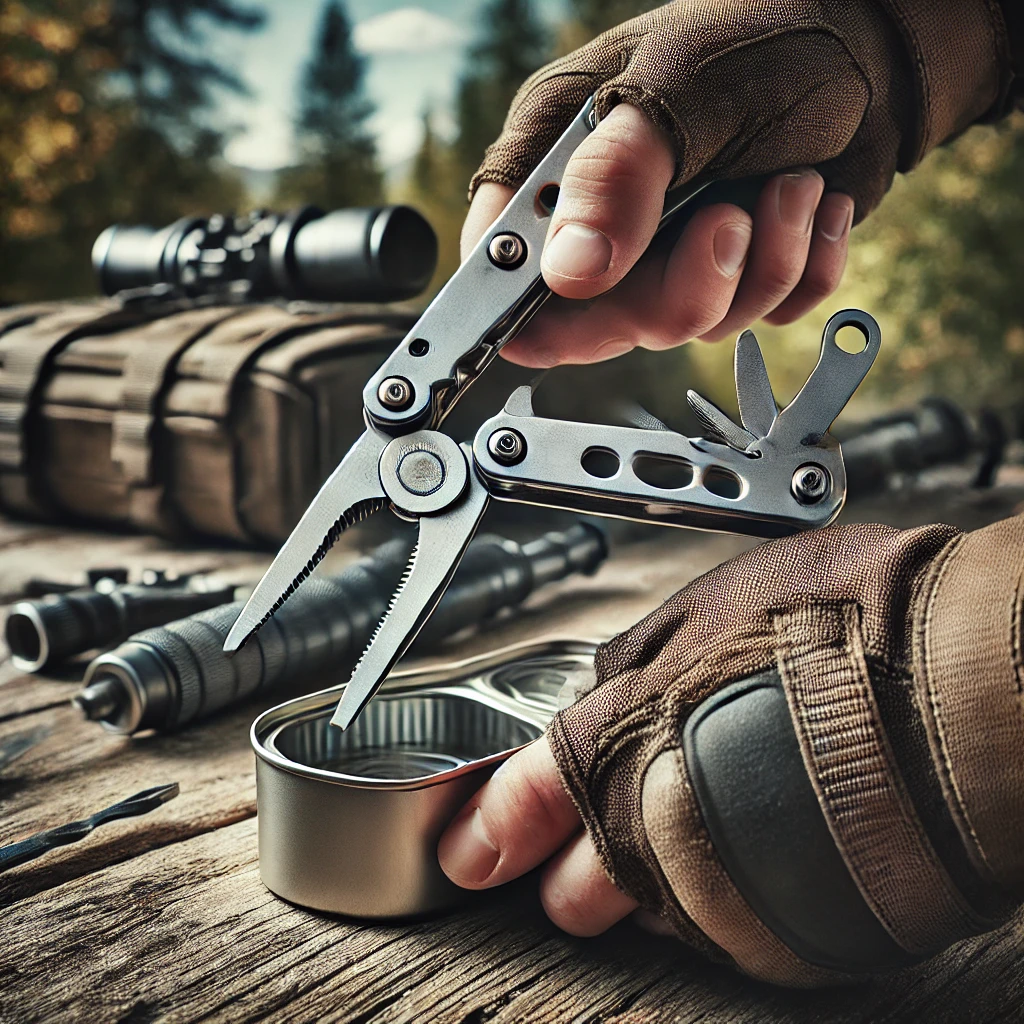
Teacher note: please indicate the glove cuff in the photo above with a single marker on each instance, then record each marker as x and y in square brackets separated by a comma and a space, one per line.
[970, 688]
[961, 60]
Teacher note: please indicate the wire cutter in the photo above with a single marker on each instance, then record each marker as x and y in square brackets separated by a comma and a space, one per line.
[772, 474]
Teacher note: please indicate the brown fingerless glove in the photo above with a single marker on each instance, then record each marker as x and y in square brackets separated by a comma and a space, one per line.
[810, 761]
[747, 87]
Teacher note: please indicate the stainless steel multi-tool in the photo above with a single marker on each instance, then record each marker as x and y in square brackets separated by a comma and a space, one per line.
[777, 473]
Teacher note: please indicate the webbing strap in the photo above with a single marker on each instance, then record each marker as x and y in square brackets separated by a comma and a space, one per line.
[26, 354]
[150, 361]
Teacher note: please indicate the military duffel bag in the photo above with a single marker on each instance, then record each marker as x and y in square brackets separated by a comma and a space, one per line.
[220, 420]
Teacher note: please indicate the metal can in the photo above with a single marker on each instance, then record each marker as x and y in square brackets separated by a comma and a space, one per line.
[349, 820]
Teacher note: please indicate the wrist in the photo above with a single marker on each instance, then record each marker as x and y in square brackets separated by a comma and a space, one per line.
[961, 63]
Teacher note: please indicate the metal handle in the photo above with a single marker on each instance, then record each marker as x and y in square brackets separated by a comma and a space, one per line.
[495, 292]
[655, 476]
[831, 384]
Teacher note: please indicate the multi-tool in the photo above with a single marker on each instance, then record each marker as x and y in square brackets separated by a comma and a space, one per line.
[773, 474]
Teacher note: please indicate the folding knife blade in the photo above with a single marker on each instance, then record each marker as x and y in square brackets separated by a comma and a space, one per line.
[441, 543]
[352, 492]
[753, 389]
[717, 424]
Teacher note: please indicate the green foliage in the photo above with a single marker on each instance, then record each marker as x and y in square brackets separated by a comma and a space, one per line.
[946, 262]
[158, 47]
[939, 265]
[337, 155]
[101, 120]
[511, 46]
[437, 189]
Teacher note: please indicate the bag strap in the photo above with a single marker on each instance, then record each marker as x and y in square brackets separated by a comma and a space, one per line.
[26, 356]
[144, 378]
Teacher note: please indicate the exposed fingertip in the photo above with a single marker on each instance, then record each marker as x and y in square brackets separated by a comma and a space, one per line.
[490, 199]
[797, 198]
[835, 216]
[521, 352]
[731, 245]
[466, 852]
[577, 252]
[611, 349]
[577, 894]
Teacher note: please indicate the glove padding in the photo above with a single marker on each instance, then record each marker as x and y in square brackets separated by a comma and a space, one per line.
[899, 658]
[745, 87]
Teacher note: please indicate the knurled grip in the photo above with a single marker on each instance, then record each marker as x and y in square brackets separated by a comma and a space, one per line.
[319, 633]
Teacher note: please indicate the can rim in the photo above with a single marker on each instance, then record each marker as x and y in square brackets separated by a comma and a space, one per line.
[268, 725]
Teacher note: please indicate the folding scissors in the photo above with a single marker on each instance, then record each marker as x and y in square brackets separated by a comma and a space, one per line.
[773, 474]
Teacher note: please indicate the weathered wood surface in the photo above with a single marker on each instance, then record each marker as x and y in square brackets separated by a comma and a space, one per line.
[163, 917]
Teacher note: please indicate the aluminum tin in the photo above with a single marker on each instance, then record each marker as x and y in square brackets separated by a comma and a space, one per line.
[349, 821]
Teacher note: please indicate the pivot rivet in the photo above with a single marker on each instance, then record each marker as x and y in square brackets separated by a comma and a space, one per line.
[507, 251]
[421, 472]
[395, 393]
[811, 484]
[507, 446]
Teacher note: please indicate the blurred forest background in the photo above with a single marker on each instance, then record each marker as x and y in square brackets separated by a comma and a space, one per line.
[108, 114]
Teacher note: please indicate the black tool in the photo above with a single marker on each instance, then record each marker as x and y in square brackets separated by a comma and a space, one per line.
[907, 442]
[12, 747]
[35, 846]
[168, 677]
[378, 254]
[45, 632]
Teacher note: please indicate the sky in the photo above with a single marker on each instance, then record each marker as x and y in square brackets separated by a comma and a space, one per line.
[414, 49]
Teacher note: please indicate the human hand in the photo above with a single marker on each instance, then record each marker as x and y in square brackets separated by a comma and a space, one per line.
[807, 762]
[727, 90]
[726, 270]
[521, 818]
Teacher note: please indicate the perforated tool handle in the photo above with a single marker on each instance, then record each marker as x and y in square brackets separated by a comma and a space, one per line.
[495, 293]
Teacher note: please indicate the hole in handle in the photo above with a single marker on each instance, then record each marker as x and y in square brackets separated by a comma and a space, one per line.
[723, 482]
[666, 472]
[600, 462]
[852, 338]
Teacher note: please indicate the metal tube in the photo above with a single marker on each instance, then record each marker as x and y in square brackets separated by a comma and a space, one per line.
[167, 677]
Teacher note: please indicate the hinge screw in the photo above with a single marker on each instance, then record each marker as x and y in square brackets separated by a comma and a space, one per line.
[507, 446]
[507, 251]
[811, 484]
[395, 393]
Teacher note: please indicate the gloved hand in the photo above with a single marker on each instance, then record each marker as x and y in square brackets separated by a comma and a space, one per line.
[809, 762]
[845, 94]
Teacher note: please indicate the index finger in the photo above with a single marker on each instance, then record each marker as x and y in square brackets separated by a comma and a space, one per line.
[489, 201]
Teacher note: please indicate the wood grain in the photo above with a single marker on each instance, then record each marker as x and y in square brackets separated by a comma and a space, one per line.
[188, 932]
[163, 917]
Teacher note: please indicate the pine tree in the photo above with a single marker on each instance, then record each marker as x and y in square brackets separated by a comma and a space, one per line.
[595, 16]
[429, 188]
[337, 155]
[102, 118]
[511, 46]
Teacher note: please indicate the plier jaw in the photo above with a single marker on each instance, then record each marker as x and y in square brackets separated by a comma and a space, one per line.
[773, 473]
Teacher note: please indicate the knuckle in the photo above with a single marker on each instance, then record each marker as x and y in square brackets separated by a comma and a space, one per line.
[818, 283]
[544, 799]
[697, 314]
[606, 168]
[567, 908]
[536, 799]
[777, 278]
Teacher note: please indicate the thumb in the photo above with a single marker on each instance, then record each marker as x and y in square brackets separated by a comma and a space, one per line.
[609, 204]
